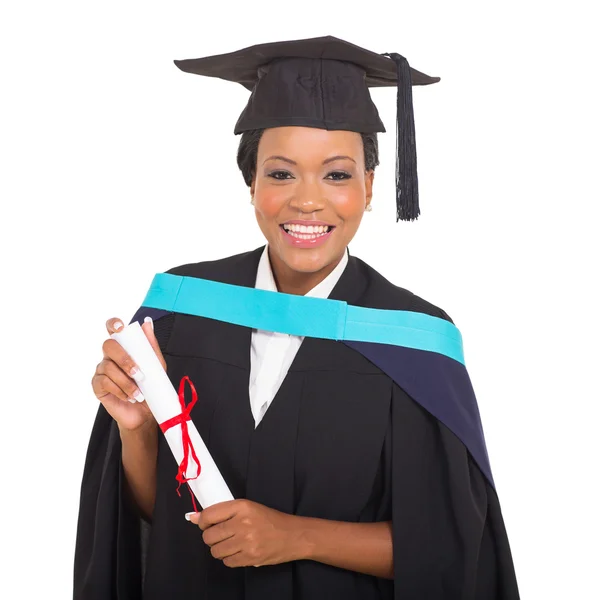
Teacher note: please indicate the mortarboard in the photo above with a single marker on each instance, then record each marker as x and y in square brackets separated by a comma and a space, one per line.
[324, 82]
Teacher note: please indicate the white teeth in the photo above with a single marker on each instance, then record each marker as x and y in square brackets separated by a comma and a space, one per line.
[305, 228]
[305, 232]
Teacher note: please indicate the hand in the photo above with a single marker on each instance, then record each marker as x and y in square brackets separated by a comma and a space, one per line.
[243, 533]
[114, 380]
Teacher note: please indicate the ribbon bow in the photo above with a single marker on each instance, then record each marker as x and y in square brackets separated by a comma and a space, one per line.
[188, 448]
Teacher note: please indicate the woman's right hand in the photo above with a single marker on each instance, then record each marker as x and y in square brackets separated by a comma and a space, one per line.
[114, 380]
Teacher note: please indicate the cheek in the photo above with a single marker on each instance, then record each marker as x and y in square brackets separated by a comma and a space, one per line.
[348, 201]
[269, 201]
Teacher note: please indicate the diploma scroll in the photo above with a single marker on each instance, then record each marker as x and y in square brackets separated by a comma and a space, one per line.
[162, 399]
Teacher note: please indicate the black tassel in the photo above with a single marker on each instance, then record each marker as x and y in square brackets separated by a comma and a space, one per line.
[407, 187]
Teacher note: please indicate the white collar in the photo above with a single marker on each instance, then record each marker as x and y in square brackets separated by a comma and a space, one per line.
[266, 281]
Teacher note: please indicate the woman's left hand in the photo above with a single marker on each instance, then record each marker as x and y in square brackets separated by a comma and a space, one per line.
[243, 533]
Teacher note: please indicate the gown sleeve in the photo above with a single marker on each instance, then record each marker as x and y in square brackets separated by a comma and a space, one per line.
[448, 532]
[110, 538]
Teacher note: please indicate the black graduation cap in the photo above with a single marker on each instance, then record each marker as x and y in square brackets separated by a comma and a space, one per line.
[324, 82]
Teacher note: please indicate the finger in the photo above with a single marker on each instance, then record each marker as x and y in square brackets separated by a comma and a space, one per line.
[226, 548]
[113, 325]
[236, 560]
[192, 517]
[115, 352]
[148, 329]
[103, 387]
[114, 373]
[218, 533]
[217, 513]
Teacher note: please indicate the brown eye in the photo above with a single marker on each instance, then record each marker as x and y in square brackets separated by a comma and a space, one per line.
[338, 175]
[280, 175]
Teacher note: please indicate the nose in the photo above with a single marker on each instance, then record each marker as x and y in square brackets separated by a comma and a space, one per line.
[307, 198]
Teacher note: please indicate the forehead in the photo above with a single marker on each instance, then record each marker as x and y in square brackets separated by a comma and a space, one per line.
[310, 142]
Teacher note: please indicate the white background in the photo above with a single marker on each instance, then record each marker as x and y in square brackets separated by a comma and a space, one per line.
[115, 165]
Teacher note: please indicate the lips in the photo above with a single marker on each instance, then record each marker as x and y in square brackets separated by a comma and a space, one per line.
[306, 231]
[301, 234]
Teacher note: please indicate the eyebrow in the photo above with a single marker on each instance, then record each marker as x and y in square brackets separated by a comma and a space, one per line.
[325, 162]
[283, 158]
[338, 157]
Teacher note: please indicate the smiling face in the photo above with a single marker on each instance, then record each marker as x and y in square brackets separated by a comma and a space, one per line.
[310, 192]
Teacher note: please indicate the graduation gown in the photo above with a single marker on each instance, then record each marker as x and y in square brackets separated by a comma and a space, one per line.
[341, 440]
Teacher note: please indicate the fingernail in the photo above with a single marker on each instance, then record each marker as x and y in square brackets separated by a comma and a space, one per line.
[132, 400]
[149, 320]
[136, 374]
[139, 396]
[118, 325]
[189, 515]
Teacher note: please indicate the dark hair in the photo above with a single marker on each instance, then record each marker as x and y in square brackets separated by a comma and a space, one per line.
[248, 151]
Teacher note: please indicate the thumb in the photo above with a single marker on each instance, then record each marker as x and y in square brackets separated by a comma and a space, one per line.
[148, 329]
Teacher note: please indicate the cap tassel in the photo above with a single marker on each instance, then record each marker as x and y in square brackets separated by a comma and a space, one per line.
[407, 188]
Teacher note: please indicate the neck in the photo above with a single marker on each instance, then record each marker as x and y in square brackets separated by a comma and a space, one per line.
[298, 283]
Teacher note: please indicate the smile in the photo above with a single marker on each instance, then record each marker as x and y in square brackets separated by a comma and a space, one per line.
[299, 235]
[306, 232]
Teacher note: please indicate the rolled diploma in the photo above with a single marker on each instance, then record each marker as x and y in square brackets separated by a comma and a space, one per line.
[163, 401]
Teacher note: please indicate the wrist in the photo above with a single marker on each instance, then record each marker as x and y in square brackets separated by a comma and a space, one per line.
[302, 540]
[145, 432]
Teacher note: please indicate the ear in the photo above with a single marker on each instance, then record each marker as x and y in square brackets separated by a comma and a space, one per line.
[369, 177]
[253, 186]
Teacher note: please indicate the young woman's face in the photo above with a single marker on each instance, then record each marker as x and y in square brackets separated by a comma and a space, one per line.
[310, 192]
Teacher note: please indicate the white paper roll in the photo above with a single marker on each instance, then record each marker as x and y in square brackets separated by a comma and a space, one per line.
[162, 398]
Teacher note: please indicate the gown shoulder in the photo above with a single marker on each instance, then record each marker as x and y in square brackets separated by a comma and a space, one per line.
[383, 294]
[224, 270]
[379, 292]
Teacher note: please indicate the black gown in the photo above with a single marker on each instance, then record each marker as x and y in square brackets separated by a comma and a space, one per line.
[341, 440]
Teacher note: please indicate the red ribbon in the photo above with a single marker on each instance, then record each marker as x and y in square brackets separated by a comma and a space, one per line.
[188, 448]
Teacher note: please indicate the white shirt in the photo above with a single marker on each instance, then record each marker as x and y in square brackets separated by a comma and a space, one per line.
[271, 354]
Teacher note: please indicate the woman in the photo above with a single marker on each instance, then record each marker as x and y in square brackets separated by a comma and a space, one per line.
[350, 482]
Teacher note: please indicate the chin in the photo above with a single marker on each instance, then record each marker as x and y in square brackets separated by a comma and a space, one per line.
[307, 261]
